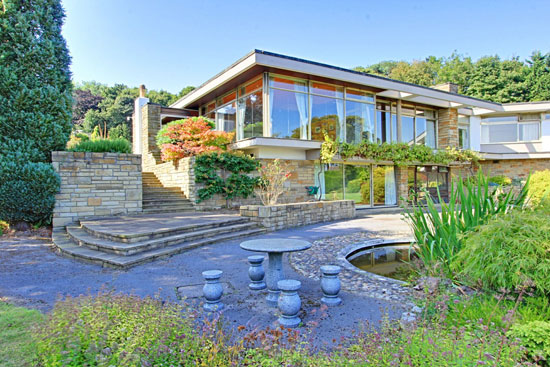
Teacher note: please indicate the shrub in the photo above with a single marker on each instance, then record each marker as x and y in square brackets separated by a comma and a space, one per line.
[189, 137]
[539, 186]
[121, 131]
[508, 251]
[438, 234]
[103, 145]
[535, 336]
[27, 192]
[208, 166]
[502, 180]
[272, 179]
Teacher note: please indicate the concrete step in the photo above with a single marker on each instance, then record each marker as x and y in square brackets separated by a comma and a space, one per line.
[162, 210]
[169, 206]
[83, 238]
[166, 199]
[130, 236]
[70, 249]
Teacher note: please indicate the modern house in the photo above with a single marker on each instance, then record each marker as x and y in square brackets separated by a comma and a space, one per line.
[281, 106]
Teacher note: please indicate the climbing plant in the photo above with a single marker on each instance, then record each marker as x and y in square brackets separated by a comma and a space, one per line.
[225, 173]
[399, 153]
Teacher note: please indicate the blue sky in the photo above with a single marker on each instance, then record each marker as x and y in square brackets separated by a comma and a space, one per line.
[169, 44]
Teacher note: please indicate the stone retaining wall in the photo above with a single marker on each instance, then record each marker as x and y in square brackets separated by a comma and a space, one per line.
[96, 184]
[281, 216]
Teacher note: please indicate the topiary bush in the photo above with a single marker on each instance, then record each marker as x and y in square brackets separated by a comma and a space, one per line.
[508, 252]
[119, 145]
[535, 336]
[539, 189]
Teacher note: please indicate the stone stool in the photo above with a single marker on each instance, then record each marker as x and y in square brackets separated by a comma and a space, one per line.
[330, 285]
[256, 272]
[212, 290]
[289, 302]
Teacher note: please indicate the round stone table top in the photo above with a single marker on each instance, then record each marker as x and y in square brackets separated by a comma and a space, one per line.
[275, 245]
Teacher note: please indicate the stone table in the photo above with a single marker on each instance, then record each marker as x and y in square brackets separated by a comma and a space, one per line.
[275, 248]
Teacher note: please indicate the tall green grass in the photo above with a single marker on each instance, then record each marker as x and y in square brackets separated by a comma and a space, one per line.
[438, 232]
[119, 145]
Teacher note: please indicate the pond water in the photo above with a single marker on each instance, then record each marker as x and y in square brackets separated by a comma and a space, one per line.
[389, 260]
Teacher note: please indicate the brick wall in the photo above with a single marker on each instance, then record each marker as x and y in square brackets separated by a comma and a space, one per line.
[281, 216]
[96, 184]
[514, 168]
[447, 130]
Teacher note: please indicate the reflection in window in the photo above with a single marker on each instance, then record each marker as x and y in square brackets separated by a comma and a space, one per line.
[384, 187]
[226, 118]
[359, 122]
[334, 182]
[251, 115]
[432, 180]
[357, 183]
[499, 133]
[327, 115]
[407, 129]
[289, 114]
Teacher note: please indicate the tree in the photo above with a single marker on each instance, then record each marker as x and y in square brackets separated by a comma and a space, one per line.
[456, 69]
[84, 101]
[35, 106]
[538, 77]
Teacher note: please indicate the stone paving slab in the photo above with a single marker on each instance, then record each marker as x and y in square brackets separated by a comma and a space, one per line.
[153, 223]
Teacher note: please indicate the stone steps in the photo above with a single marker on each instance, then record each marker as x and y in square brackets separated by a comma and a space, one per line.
[159, 199]
[83, 244]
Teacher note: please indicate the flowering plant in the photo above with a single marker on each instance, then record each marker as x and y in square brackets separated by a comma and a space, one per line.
[189, 137]
[272, 178]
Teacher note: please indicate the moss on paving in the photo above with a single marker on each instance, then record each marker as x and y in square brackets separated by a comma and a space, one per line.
[17, 347]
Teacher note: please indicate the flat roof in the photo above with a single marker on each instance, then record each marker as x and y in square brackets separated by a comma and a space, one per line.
[389, 87]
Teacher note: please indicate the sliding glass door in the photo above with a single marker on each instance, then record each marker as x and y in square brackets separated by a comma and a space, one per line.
[367, 185]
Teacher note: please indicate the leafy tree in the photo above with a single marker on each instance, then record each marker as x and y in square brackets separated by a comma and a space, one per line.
[456, 69]
[383, 68]
[35, 106]
[84, 101]
[538, 77]
[418, 72]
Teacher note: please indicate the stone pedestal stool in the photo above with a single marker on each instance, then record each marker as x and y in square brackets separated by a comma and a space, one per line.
[256, 272]
[212, 290]
[289, 302]
[330, 285]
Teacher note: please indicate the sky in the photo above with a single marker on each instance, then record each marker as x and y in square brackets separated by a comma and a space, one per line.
[170, 44]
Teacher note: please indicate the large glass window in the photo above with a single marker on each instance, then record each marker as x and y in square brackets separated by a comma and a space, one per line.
[327, 115]
[251, 115]
[288, 108]
[359, 122]
[226, 118]
[386, 123]
[407, 129]
[367, 185]
[431, 180]
[510, 129]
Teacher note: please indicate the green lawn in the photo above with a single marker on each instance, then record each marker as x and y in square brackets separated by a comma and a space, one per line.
[17, 348]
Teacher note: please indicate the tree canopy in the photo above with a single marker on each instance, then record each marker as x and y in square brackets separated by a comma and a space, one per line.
[97, 104]
[489, 77]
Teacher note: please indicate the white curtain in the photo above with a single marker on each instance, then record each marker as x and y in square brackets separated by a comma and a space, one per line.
[529, 132]
[430, 134]
[390, 190]
[301, 103]
[270, 103]
[340, 114]
[241, 109]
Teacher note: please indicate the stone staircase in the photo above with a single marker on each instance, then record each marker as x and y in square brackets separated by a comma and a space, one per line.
[160, 199]
[123, 242]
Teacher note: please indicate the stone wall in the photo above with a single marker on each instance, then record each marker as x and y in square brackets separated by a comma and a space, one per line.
[96, 184]
[447, 130]
[516, 169]
[281, 216]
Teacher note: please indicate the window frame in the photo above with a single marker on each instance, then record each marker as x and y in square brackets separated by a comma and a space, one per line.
[518, 121]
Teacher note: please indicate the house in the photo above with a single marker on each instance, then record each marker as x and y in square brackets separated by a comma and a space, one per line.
[280, 107]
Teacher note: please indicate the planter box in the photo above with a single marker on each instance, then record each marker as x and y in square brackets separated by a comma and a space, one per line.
[281, 216]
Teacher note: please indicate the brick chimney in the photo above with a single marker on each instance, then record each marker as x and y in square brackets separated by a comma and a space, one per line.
[447, 87]
[142, 91]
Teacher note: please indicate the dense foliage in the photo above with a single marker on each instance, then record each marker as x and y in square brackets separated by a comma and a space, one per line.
[35, 106]
[535, 336]
[489, 78]
[539, 187]
[399, 153]
[98, 104]
[508, 251]
[439, 232]
[126, 331]
[212, 170]
[119, 145]
[189, 137]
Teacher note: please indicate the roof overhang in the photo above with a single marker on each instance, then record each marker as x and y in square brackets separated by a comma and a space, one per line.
[389, 87]
[296, 144]
[507, 156]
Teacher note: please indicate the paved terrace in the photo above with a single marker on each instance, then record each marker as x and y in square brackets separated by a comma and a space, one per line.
[34, 276]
